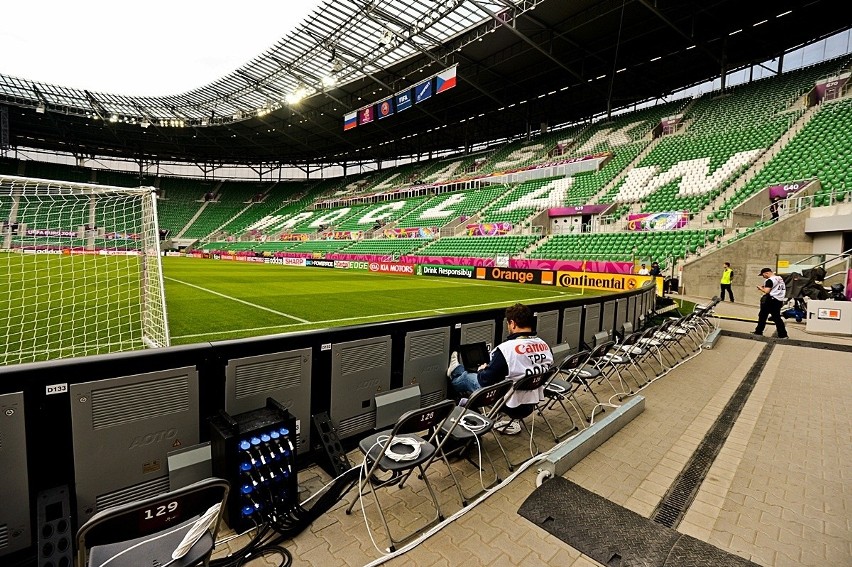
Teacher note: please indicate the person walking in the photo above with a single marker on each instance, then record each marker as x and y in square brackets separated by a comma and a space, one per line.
[774, 291]
[725, 282]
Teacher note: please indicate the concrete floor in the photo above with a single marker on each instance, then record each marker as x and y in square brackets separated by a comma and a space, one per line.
[778, 493]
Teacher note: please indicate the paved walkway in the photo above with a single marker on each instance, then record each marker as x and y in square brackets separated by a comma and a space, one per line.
[779, 492]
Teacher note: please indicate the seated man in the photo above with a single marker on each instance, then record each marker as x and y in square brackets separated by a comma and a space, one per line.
[521, 354]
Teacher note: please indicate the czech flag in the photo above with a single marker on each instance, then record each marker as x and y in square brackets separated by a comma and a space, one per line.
[445, 80]
[350, 120]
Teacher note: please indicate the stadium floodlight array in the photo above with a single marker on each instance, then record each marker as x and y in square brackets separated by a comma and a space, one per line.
[80, 270]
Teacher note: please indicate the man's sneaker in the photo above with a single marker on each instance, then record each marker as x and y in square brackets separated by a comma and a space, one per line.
[507, 427]
[783, 338]
[756, 334]
[454, 362]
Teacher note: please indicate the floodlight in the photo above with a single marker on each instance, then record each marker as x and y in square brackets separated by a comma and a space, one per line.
[40, 108]
[329, 81]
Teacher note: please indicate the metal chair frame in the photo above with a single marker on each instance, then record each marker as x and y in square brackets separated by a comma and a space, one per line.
[375, 448]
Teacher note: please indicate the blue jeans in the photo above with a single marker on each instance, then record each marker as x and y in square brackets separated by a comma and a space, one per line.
[463, 381]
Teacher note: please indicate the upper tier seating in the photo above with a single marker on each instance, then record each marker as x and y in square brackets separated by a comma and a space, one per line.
[231, 198]
[526, 198]
[179, 200]
[822, 149]
[619, 246]
[478, 246]
[441, 209]
[387, 246]
[725, 135]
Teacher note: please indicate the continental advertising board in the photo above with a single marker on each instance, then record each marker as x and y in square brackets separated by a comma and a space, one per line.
[608, 282]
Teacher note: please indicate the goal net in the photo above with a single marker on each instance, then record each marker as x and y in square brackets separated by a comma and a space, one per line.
[79, 270]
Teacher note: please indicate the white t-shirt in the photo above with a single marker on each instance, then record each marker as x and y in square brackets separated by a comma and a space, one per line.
[779, 288]
[524, 356]
[643, 272]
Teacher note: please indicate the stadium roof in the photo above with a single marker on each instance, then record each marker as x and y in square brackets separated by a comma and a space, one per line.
[521, 63]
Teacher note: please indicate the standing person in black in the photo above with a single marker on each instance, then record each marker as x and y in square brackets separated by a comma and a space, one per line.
[655, 269]
[773, 208]
[774, 291]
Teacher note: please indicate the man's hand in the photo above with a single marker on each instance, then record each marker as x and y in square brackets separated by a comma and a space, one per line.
[482, 366]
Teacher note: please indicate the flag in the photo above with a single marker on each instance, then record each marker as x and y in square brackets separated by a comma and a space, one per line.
[423, 91]
[365, 115]
[385, 108]
[403, 100]
[350, 120]
[445, 80]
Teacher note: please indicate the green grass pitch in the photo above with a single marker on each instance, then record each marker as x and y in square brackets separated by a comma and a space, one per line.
[210, 300]
[56, 306]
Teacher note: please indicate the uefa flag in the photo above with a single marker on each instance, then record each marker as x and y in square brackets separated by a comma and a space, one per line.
[423, 91]
[403, 100]
[350, 120]
[365, 115]
[385, 108]
[445, 80]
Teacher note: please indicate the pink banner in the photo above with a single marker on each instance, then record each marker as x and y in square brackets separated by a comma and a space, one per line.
[341, 235]
[669, 220]
[601, 267]
[784, 190]
[412, 232]
[489, 229]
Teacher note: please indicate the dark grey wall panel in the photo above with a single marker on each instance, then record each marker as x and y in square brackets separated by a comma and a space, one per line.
[359, 370]
[572, 317]
[591, 322]
[123, 429]
[547, 326]
[14, 489]
[427, 354]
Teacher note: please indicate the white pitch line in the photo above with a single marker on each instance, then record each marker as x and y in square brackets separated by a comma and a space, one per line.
[442, 311]
[239, 300]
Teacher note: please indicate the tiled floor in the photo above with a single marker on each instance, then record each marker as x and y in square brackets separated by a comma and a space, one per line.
[779, 492]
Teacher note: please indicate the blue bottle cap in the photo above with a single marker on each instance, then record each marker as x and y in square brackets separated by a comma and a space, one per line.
[274, 435]
[255, 441]
[245, 445]
[248, 510]
[265, 438]
[284, 431]
[245, 467]
[246, 489]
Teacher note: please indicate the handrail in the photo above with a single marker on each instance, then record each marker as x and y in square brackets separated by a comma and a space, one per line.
[846, 253]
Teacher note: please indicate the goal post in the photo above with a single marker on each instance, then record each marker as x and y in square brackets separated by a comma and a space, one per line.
[80, 270]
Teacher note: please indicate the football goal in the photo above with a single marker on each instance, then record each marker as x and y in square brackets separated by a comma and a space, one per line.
[80, 270]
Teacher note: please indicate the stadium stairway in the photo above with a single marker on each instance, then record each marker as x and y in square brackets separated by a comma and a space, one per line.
[700, 221]
[192, 220]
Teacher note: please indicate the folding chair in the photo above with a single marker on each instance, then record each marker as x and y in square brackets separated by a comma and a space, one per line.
[654, 346]
[563, 386]
[666, 338]
[177, 528]
[687, 328]
[470, 423]
[635, 353]
[518, 413]
[600, 367]
[400, 451]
